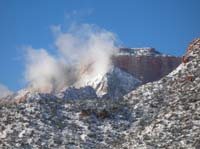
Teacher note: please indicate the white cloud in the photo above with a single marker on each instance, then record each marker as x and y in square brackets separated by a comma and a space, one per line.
[84, 52]
[4, 91]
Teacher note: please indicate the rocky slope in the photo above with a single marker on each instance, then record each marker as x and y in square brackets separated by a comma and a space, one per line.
[45, 122]
[167, 112]
[146, 64]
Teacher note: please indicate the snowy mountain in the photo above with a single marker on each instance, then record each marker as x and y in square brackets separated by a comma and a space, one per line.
[161, 114]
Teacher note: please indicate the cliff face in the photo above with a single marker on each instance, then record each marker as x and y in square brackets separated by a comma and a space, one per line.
[145, 64]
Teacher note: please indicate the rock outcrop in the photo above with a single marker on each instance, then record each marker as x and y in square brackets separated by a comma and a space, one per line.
[146, 64]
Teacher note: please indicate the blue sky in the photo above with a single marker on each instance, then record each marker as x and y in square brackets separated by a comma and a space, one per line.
[166, 25]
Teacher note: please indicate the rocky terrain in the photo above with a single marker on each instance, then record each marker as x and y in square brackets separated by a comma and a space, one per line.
[161, 114]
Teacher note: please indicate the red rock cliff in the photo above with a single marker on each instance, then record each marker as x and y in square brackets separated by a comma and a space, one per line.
[145, 64]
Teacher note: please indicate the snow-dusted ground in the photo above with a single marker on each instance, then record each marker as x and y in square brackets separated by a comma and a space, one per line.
[58, 123]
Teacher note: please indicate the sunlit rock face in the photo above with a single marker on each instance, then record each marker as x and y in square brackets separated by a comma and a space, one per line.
[145, 64]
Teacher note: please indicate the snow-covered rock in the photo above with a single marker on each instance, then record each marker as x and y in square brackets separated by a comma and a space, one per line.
[115, 84]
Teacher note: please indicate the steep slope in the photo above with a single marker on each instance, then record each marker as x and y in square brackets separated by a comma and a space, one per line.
[146, 64]
[167, 112]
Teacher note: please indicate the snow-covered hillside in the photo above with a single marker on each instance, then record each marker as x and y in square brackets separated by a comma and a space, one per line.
[161, 114]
